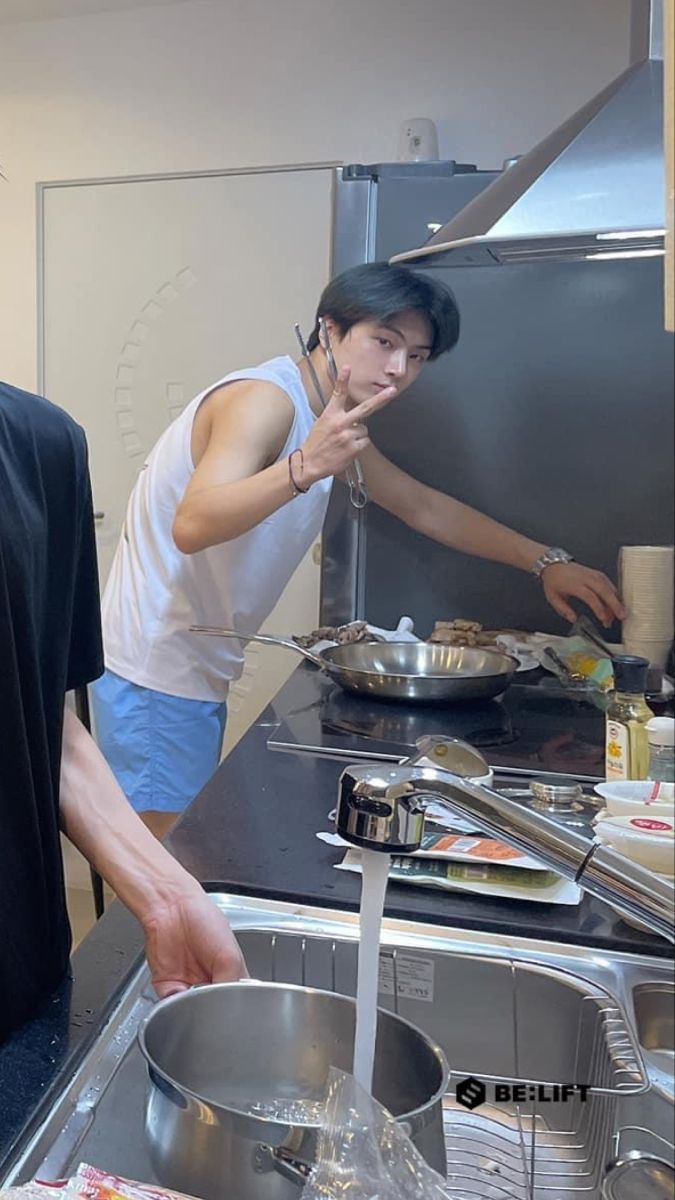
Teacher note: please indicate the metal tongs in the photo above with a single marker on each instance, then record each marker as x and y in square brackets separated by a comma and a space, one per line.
[358, 495]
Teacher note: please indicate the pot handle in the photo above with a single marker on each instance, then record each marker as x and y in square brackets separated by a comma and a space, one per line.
[267, 639]
[277, 1158]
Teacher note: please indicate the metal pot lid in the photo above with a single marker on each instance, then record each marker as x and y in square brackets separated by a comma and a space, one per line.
[557, 793]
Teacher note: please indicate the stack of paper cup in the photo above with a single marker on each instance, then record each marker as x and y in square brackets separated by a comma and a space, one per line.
[646, 583]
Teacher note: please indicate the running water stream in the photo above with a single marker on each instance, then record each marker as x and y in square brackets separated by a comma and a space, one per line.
[375, 869]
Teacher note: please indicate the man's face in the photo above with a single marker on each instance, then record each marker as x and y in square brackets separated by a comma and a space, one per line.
[382, 355]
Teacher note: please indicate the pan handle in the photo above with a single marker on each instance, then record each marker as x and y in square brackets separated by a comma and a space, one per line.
[267, 639]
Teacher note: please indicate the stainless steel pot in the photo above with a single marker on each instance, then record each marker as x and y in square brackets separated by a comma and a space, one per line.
[419, 672]
[222, 1057]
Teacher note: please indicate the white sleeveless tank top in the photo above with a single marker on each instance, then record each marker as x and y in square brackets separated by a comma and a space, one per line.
[154, 592]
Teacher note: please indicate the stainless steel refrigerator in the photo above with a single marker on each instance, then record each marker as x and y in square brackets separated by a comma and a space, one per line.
[553, 414]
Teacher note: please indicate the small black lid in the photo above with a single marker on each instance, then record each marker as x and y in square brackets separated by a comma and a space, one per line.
[630, 673]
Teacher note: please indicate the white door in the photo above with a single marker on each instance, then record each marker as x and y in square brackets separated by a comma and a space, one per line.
[154, 288]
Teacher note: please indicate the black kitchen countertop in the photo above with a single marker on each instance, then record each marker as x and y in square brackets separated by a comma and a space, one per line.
[273, 803]
[252, 831]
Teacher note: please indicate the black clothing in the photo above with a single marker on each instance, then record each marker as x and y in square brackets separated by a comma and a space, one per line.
[50, 641]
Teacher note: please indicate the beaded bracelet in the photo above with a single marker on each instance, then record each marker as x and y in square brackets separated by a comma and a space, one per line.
[296, 488]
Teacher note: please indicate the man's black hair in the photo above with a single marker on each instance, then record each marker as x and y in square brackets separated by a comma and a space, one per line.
[378, 292]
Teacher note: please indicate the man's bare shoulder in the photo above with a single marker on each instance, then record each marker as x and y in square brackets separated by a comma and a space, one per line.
[256, 410]
[248, 398]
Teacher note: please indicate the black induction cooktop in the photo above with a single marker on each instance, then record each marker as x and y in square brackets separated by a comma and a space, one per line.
[535, 727]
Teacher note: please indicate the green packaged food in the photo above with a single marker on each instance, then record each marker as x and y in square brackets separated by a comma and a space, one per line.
[442, 873]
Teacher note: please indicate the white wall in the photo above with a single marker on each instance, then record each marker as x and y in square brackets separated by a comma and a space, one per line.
[222, 83]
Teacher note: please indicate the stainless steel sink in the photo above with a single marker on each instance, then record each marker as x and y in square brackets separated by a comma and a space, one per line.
[654, 1016]
[525, 1019]
[654, 1005]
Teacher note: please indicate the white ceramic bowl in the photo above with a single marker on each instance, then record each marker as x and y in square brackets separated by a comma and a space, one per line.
[648, 841]
[628, 798]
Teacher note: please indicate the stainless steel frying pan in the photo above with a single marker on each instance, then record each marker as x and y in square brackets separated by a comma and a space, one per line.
[417, 672]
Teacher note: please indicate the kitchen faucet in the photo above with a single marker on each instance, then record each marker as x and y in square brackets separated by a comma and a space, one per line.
[381, 807]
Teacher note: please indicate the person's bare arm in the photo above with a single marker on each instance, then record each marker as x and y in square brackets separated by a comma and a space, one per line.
[188, 940]
[234, 487]
[443, 518]
[461, 527]
[237, 482]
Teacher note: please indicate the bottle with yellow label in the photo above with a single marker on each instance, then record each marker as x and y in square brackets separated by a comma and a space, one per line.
[626, 717]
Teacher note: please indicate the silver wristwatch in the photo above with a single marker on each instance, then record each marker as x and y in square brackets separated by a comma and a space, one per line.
[554, 554]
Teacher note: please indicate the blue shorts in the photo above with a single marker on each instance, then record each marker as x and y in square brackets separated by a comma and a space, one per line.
[161, 749]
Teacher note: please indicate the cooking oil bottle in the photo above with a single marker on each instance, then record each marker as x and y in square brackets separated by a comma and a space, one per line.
[627, 714]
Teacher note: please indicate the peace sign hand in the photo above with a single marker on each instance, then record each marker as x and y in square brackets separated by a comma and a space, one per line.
[340, 434]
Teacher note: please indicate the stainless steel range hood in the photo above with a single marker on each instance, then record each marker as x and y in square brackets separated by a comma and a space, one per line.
[594, 187]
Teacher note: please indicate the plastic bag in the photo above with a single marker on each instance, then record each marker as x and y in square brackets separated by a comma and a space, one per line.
[363, 1154]
[576, 661]
[90, 1183]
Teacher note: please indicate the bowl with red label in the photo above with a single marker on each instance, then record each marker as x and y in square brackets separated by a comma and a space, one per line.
[647, 840]
[637, 798]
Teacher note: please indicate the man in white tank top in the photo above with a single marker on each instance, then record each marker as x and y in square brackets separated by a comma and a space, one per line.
[233, 495]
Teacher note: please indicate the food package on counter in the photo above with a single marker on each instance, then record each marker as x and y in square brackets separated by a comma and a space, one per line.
[90, 1183]
[591, 664]
[458, 847]
[484, 879]
[32, 1191]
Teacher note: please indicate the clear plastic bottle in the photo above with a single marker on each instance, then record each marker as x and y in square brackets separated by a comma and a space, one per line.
[627, 714]
[661, 740]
